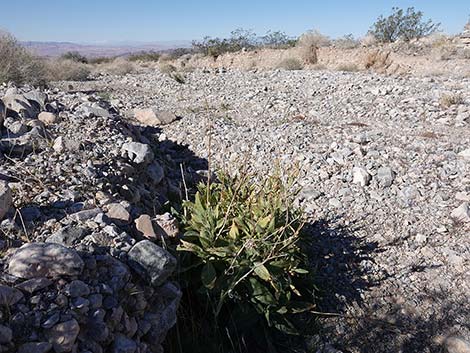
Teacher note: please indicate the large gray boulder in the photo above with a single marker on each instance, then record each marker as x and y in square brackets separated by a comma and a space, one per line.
[152, 262]
[20, 105]
[45, 260]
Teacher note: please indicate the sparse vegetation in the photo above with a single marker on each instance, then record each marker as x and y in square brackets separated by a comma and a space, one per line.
[405, 25]
[277, 40]
[146, 56]
[346, 42]
[449, 99]
[67, 70]
[74, 56]
[172, 71]
[308, 45]
[243, 268]
[119, 66]
[19, 66]
[378, 60]
[291, 64]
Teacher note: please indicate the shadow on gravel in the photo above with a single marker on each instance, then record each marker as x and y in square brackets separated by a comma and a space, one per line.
[405, 329]
[337, 254]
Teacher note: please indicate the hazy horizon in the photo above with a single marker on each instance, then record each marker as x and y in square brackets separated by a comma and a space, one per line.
[144, 21]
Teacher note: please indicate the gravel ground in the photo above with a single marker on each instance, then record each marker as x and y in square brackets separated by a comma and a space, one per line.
[385, 171]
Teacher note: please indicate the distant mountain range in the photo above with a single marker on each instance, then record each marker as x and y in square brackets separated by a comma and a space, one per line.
[52, 49]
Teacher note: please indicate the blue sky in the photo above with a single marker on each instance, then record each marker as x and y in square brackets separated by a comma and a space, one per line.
[155, 20]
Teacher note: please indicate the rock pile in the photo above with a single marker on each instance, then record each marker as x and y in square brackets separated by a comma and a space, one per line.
[78, 274]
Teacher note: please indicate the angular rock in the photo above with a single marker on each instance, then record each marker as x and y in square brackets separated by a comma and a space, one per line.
[361, 176]
[91, 111]
[456, 344]
[48, 118]
[137, 152]
[145, 227]
[385, 176]
[154, 117]
[461, 213]
[6, 334]
[168, 224]
[67, 236]
[122, 344]
[9, 296]
[118, 213]
[62, 336]
[44, 260]
[465, 154]
[77, 288]
[5, 199]
[152, 262]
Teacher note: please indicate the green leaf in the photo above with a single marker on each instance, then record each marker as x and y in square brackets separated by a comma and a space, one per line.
[262, 272]
[208, 276]
[233, 233]
[301, 271]
[263, 223]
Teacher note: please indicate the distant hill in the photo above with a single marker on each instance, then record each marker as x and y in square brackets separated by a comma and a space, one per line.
[52, 49]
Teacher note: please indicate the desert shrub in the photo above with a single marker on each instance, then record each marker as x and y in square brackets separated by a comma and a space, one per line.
[167, 68]
[377, 59]
[172, 72]
[145, 56]
[119, 66]
[308, 45]
[67, 70]
[239, 39]
[100, 60]
[18, 65]
[449, 99]
[277, 40]
[243, 261]
[290, 64]
[74, 56]
[447, 52]
[346, 42]
[402, 24]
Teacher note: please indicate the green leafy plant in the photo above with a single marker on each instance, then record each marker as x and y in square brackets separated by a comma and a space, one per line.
[243, 254]
[406, 25]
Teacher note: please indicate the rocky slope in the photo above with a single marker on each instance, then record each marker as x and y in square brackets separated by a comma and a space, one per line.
[385, 175]
[83, 196]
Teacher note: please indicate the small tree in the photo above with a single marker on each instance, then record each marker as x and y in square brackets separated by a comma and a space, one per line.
[277, 39]
[406, 25]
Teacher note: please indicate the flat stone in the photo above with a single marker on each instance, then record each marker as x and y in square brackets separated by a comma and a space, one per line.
[152, 262]
[44, 260]
[35, 347]
[86, 214]
[154, 117]
[5, 199]
[91, 111]
[33, 285]
[62, 336]
[168, 224]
